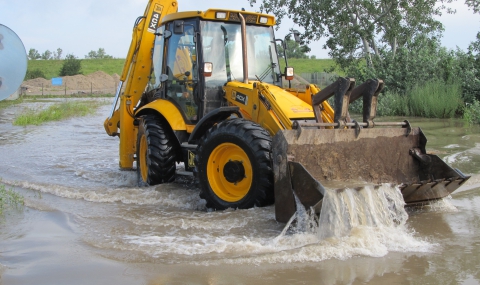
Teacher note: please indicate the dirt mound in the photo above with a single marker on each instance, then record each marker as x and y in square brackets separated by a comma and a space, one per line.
[37, 82]
[97, 82]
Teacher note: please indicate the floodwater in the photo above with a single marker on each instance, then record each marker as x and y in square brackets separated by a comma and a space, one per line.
[86, 222]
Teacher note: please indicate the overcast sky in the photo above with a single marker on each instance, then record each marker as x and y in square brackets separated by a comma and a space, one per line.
[79, 26]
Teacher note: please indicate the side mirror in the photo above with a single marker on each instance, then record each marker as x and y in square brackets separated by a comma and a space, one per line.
[288, 73]
[167, 34]
[207, 69]
[163, 77]
[178, 27]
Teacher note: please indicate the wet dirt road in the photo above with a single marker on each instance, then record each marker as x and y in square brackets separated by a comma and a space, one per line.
[86, 222]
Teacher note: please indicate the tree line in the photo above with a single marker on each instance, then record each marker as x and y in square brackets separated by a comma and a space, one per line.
[71, 64]
[395, 40]
[34, 54]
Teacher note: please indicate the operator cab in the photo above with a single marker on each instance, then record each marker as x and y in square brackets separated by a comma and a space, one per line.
[185, 46]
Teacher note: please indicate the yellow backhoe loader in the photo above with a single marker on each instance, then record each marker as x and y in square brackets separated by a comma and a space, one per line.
[205, 88]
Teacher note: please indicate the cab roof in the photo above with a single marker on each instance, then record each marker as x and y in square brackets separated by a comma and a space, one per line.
[223, 15]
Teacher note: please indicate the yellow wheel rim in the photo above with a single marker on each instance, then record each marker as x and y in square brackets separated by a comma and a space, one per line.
[224, 189]
[142, 158]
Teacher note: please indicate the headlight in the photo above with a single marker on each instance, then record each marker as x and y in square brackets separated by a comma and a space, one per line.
[221, 15]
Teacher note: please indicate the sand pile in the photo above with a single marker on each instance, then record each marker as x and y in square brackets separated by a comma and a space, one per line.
[97, 82]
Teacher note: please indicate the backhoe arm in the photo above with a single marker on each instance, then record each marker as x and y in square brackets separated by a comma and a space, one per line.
[135, 74]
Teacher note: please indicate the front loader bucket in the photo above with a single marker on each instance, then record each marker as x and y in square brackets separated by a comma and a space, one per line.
[341, 152]
[306, 161]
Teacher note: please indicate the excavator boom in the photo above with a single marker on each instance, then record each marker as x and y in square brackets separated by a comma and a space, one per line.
[136, 72]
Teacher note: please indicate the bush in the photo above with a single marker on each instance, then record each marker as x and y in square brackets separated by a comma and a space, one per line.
[469, 75]
[435, 99]
[71, 66]
[35, 73]
[471, 113]
[393, 104]
[421, 60]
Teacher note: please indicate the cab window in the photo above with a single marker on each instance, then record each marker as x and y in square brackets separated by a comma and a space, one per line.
[181, 69]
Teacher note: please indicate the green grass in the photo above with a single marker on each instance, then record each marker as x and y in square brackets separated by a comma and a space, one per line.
[40, 97]
[7, 103]
[51, 68]
[56, 112]
[392, 104]
[9, 199]
[305, 65]
[431, 100]
[435, 99]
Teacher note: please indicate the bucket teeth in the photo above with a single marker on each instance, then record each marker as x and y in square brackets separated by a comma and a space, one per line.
[431, 190]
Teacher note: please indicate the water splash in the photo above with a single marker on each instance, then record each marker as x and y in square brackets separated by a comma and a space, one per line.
[346, 209]
[343, 210]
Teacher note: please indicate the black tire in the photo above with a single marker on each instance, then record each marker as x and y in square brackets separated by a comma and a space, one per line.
[156, 152]
[222, 153]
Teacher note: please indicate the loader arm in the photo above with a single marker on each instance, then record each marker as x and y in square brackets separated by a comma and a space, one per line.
[135, 74]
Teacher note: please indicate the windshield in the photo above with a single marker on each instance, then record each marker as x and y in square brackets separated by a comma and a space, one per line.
[222, 46]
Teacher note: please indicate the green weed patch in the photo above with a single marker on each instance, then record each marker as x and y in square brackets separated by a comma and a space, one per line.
[9, 199]
[56, 112]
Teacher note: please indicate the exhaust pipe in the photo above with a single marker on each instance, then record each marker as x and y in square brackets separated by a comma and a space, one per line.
[244, 48]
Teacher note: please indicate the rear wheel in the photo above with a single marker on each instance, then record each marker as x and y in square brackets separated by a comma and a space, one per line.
[156, 152]
[233, 165]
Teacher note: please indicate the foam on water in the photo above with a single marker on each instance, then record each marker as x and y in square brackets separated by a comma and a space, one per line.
[440, 205]
[457, 157]
[469, 155]
[370, 222]
[209, 250]
[167, 195]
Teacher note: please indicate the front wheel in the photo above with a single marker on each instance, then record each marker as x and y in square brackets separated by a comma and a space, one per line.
[233, 165]
[156, 152]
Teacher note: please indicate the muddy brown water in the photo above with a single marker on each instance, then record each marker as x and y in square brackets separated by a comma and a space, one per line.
[86, 222]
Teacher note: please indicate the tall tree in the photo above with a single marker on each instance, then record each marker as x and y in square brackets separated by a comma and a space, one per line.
[358, 28]
[474, 4]
[33, 54]
[57, 54]
[91, 55]
[47, 55]
[98, 54]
